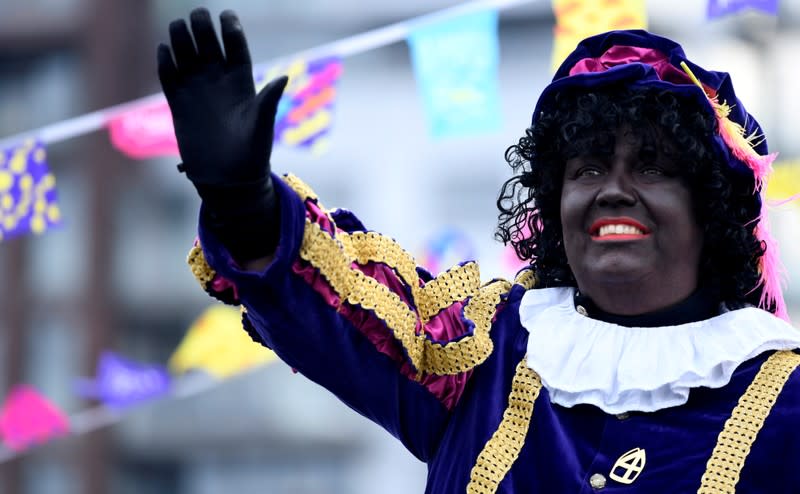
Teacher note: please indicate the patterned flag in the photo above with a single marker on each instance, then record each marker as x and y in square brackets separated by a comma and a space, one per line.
[121, 382]
[305, 112]
[579, 19]
[28, 199]
[456, 64]
[447, 248]
[144, 132]
[28, 418]
[717, 8]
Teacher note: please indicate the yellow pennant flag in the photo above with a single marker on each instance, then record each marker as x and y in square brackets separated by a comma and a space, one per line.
[784, 182]
[579, 19]
[217, 343]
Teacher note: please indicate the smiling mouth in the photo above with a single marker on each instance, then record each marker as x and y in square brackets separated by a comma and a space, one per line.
[618, 229]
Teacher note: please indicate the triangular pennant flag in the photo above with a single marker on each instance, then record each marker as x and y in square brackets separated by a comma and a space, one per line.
[718, 8]
[28, 418]
[121, 382]
[28, 198]
[447, 248]
[217, 343]
[144, 132]
[305, 112]
[456, 67]
[579, 19]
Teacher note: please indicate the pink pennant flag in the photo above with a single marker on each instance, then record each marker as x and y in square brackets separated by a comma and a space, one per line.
[28, 418]
[145, 132]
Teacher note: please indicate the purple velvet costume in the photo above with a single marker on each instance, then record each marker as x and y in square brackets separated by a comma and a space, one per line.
[326, 305]
[440, 363]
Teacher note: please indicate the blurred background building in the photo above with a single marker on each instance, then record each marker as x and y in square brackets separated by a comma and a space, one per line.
[114, 275]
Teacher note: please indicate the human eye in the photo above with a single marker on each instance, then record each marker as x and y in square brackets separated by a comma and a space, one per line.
[652, 170]
[656, 170]
[589, 170]
[584, 167]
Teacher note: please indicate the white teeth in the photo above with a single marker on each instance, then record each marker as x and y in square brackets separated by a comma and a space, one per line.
[618, 230]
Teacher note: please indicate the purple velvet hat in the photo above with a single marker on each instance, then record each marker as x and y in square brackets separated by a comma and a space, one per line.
[639, 58]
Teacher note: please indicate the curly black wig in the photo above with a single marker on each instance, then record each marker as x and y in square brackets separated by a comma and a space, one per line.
[578, 123]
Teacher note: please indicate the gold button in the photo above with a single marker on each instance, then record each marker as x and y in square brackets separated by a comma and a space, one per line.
[597, 481]
[623, 415]
[582, 310]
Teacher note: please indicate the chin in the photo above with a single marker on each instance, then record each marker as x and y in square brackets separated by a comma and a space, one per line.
[617, 272]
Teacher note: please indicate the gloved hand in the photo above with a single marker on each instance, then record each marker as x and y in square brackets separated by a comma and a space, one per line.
[224, 129]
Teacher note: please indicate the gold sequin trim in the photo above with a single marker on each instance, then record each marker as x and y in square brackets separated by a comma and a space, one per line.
[740, 430]
[503, 448]
[452, 286]
[200, 269]
[526, 278]
[364, 247]
[467, 353]
[330, 256]
[300, 187]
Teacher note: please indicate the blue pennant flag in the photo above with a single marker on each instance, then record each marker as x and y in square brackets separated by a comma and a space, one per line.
[718, 8]
[455, 63]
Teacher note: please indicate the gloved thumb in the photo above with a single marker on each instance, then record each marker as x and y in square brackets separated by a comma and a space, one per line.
[267, 102]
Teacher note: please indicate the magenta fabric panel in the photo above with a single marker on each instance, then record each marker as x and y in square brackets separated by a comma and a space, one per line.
[446, 326]
[621, 55]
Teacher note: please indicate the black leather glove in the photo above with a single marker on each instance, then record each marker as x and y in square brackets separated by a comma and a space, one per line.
[224, 130]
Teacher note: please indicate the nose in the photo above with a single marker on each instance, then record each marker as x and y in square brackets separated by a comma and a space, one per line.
[616, 190]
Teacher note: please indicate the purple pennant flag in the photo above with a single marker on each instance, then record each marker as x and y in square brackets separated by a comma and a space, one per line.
[28, 201]
[718, 8]
[121, 383]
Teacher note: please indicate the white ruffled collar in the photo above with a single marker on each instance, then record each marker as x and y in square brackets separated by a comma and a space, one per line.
[619, 369]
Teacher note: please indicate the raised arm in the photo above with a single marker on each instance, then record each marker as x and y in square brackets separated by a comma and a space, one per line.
[345, 306]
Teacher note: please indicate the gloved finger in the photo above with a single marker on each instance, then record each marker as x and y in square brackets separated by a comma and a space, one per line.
[183, 46]
[167, 72]
[268, 100]
[236, 51]
[208, 49]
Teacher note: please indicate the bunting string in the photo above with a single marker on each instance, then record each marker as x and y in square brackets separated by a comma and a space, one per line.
[92, 419]
[353, 45]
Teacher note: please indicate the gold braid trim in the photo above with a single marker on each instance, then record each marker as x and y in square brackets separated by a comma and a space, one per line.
[200, 269]
[330, 257]
[452, 286]
[469, 352]
[323, 252]
[334, 256]
[366, 247]
[526, 278]
[300, 187]
[740, 430]
[503, 448]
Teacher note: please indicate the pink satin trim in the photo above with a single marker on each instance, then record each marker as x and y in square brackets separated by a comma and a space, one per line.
[445, 326]
[621, 55]
[220, 284]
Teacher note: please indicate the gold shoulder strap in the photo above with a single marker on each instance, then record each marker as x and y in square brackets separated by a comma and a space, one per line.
[740, 430]
[503, 448]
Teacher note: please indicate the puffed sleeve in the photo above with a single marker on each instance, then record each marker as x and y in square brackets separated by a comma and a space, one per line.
[349, 309]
